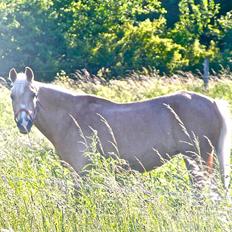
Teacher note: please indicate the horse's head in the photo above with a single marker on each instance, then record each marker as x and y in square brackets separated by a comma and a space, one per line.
[23, 95]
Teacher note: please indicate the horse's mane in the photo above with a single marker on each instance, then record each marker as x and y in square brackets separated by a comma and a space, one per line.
[62, 94]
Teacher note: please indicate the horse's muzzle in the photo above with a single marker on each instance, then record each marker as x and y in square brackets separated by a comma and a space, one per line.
[24, 121]
[24, 127]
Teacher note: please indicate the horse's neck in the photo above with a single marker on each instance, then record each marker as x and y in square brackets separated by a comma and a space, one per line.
[52, 113]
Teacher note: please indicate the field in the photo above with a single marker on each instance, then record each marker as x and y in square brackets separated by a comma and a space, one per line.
[37, 193]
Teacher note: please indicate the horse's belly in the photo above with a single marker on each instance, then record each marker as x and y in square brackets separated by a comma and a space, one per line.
[145, 151]
[139, 138]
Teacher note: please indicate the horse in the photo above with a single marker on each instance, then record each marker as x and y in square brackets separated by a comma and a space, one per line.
[144, 133]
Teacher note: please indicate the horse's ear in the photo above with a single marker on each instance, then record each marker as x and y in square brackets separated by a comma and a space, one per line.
[13, 75]
[29, 74]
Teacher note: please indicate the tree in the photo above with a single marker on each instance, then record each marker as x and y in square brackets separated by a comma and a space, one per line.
[116, 37]
[201, 32]
[99, 25]
[30, 37]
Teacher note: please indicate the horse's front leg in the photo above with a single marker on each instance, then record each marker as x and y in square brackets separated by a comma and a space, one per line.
[73, 156]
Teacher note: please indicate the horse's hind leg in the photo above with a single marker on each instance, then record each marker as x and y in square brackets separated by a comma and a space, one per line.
[201, 173]
[197, 173]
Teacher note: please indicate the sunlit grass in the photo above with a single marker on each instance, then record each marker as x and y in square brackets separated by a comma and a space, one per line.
[38, 194]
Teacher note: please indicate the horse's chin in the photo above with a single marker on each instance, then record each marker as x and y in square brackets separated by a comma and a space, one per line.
[24, 131]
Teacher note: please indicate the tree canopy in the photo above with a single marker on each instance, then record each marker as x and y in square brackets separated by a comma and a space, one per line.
[112, 37]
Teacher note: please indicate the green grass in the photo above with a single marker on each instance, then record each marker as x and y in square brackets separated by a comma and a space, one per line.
[38, 194]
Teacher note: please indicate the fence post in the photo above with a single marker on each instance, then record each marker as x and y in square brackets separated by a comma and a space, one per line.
[206, 72]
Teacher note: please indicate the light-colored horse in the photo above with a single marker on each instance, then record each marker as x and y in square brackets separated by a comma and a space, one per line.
[142, 133]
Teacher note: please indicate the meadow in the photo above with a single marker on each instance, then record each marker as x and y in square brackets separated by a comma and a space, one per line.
[38, 192]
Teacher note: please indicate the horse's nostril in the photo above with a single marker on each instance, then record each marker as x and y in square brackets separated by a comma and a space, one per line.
[24, 125]
[19, 121]
[29, 124]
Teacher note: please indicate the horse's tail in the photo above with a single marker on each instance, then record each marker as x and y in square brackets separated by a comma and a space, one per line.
[224, 143]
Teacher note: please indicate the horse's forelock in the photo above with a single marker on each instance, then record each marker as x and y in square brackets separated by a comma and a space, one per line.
[20, 84]
[21, 77]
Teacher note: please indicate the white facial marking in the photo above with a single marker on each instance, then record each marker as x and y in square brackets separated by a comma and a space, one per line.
[19, 84]
[24, 123]
[23, 114]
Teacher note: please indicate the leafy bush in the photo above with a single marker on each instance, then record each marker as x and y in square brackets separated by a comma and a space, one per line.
[144, 46]
[30, 37]
[118, 37]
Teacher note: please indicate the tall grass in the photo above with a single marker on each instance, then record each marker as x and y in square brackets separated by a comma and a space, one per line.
[37, 193]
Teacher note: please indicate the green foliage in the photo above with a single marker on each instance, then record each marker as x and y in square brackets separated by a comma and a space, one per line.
[226, 38]
[143, 45]
[197, 30]
[113, 37]
[30, 37]
[100, 27]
